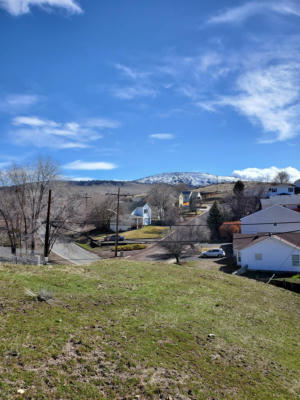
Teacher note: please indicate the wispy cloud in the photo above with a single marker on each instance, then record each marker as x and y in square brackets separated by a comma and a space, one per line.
[269, 96]
[132, 92]
[61, 135]
[265, 174]
[19, 7]
[131, 72]
[249, 9]
[140, 85]
[161, 136]
[18, 102]
[89, 166]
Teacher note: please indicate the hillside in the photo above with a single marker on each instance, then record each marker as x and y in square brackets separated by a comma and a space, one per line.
[189, 178]
[125, 330]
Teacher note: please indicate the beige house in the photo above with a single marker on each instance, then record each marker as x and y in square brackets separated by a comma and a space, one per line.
[186, 196]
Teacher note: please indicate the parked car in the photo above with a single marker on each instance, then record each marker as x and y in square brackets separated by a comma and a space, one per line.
[213, 253]
[113, 238]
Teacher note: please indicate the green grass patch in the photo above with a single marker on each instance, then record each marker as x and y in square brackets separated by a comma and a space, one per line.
[147, 232]
[120, 329]
[85, 246]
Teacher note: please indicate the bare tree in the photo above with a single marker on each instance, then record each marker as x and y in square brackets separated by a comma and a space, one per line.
[282, 177]
[64, 212]
[182, 237]
[102, 211]
[26, 188]
[237, 206]
[174, 243]
[161, 197]
[10, 213]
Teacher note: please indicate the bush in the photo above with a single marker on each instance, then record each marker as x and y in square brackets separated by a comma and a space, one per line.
[129, 247]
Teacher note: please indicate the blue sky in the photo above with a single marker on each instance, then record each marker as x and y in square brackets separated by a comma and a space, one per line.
[128, 88]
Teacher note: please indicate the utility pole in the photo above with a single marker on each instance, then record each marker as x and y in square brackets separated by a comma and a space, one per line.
[86, 197]
[117, 224]
[47, 233]
[117, 217]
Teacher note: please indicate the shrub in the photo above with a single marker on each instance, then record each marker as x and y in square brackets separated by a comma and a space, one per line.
[129, 247]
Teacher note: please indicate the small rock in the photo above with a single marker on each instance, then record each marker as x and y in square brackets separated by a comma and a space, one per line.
[211, 336]
[21, 391]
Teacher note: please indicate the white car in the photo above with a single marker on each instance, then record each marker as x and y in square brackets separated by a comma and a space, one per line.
[213, 253]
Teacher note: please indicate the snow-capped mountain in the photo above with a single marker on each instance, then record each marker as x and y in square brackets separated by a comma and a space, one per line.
[189, 178]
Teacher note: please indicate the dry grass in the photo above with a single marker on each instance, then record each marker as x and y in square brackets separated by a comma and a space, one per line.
[120, 329]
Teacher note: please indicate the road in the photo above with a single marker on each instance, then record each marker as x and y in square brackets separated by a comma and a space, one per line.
[155, 252]
[70, 251]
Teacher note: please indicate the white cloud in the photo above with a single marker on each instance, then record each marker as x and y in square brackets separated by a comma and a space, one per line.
[141, 86]
[132, 92]
[18, 102]
[102, 123]
[19, 7]
[247, 10]
[40, 132]
[162, 136]
[271, 97]
[32, 121]
[265, 174]
[89, 166]
[131, 73]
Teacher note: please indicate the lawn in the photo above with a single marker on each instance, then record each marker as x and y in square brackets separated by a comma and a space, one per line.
[131, 330]
[147, 232]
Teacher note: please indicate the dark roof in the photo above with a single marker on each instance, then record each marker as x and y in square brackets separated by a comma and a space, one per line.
[186, 192]
[243, 240]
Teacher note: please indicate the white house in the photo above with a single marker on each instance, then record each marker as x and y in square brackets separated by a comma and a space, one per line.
[272, 219]
[268, 252]
[292, 202]
[281, 189]
[142, 215]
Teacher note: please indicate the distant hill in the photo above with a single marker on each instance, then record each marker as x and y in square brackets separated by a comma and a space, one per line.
[189, 178]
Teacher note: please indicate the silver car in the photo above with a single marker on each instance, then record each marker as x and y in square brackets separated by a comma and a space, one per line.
[213, 253]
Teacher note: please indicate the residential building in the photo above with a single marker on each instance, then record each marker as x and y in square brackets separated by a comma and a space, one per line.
[273, 219]
[278, 189]
[142, 215]
[186, 196]
[268, 252]
[292, 202]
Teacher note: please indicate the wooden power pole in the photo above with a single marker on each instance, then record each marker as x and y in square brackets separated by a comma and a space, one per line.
[47, 233]
[117, 224]
[117, 217]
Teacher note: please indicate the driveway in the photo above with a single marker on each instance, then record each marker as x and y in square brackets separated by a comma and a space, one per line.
[155, 252]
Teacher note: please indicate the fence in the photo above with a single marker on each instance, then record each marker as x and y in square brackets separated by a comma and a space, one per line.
[23, 259]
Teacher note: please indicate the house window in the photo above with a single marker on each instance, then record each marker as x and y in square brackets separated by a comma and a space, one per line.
[295, 260]
[258, 256]
[239, 258]
[291, 189]
[145, 211]
[275, 224]
[274, 190]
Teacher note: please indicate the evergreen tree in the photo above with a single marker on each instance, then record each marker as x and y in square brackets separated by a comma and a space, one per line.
[238, 188]
[214, 220]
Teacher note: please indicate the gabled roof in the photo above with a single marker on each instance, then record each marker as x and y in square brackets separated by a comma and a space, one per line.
[242, 241]
[186, 192]
[281, 200]
[274, 213]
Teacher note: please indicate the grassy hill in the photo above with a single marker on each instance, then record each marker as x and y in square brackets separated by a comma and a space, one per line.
[119, 330]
